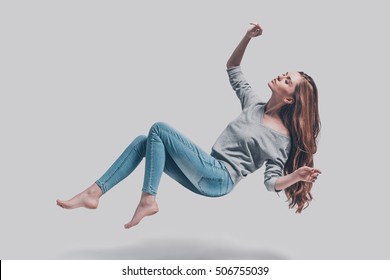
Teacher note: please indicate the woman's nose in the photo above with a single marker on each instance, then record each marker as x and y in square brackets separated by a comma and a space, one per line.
[280, 77]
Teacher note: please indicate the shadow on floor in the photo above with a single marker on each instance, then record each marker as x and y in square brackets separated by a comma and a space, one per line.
[177, 249]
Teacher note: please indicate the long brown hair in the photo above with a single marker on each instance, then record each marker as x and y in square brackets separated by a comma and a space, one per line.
[303, 121]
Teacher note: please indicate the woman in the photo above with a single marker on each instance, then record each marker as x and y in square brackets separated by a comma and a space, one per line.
[281, 133]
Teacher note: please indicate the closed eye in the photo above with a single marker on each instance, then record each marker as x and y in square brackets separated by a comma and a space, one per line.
[288, 80]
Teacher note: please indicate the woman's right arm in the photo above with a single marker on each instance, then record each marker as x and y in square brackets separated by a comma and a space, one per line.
[235, 59]
[304, 173]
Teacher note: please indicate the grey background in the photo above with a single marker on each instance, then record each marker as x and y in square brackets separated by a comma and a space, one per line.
[81, 79]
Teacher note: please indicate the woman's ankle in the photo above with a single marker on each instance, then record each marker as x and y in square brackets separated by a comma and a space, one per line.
[94, 190]
[148, 198]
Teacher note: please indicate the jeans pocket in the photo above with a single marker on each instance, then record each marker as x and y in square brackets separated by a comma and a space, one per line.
[211, 186]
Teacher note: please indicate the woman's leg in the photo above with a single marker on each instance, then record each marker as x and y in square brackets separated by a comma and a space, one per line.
[119, 170]
[167, 150]
[124, 165]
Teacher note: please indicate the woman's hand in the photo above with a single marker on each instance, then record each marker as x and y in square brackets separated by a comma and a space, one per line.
[308, 174]
[305, 173]
[254, 30]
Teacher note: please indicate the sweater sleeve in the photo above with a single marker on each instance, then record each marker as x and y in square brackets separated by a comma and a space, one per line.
[242, 88]
[273, 170]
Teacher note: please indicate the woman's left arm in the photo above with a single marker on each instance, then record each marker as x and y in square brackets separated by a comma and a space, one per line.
[235, 59]
[304, 173]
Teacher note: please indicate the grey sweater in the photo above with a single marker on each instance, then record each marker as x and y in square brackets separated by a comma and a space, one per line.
[246, 144]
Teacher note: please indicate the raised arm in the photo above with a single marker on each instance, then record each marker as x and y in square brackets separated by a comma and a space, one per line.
[254, 30]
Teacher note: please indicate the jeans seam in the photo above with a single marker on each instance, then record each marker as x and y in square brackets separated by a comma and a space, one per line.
[151, 165]
[124, 160]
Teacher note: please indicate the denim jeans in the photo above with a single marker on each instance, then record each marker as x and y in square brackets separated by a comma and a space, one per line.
[166, 150]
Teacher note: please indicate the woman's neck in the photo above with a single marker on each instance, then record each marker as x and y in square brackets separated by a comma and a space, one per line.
[273, 106]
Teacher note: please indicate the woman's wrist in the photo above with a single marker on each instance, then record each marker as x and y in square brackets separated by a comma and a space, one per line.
[247, 36]
[287, 180]
[296, 176]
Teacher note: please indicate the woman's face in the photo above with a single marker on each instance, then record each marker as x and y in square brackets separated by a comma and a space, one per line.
[284, 85]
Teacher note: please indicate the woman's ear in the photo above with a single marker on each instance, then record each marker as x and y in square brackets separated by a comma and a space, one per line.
[289, 100]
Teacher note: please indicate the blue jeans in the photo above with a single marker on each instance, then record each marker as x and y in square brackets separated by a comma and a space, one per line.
[166, 150]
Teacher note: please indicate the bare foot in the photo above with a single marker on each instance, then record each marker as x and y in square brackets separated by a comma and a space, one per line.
[146, 207]
[89, 198]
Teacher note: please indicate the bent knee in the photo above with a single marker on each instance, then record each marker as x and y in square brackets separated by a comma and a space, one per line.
[157, 126]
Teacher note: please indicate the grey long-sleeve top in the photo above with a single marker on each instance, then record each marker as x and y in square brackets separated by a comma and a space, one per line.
[246, 144]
